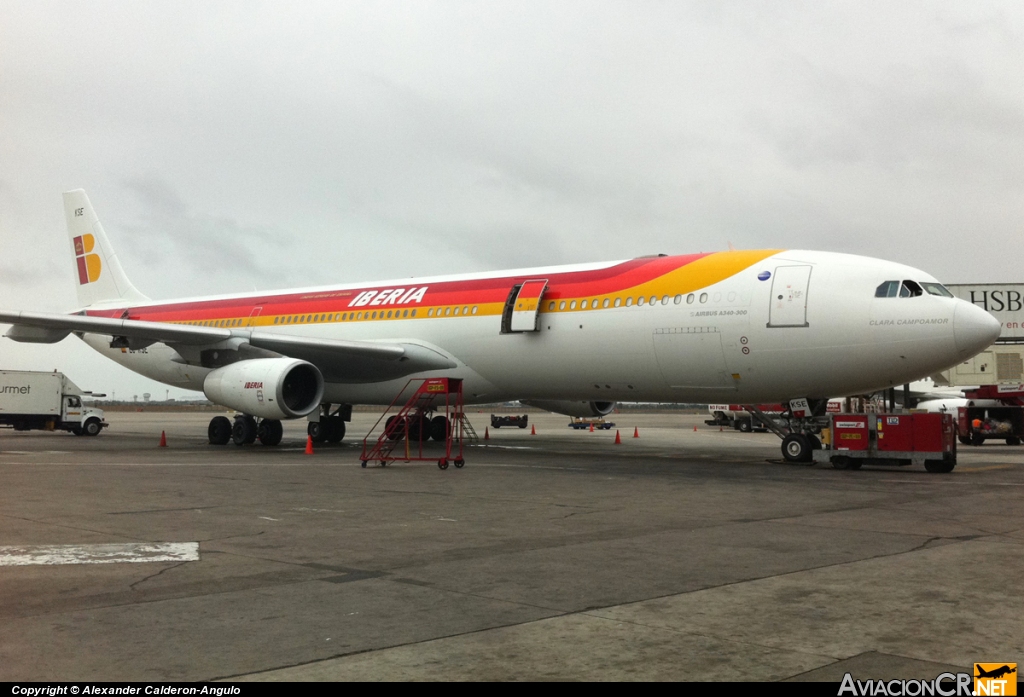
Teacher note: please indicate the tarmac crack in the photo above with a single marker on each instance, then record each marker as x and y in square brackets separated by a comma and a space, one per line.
[158, 573]
[233, 537]
[165, 510]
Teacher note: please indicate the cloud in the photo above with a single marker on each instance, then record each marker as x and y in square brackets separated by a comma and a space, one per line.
[227, 146]
[169, 239]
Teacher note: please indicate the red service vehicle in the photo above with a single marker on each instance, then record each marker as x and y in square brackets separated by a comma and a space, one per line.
[890, 439]
[975, 425]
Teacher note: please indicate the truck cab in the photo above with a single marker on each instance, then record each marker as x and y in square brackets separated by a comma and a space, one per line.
[81, 420]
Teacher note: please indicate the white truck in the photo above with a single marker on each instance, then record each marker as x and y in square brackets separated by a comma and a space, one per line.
[46, 401]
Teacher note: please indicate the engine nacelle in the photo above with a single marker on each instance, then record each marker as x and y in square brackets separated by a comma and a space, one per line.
[582, 409]
[271, 388]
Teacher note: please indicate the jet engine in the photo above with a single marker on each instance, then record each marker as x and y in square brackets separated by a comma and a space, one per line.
[271, 388]
[570, 408]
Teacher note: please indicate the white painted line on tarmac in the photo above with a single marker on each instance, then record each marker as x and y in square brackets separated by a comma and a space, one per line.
[36, 452]
[131, 552]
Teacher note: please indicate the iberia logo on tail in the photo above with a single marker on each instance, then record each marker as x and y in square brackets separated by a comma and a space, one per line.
[89, 265]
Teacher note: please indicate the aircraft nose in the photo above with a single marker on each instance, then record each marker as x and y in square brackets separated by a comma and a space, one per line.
[973, 328]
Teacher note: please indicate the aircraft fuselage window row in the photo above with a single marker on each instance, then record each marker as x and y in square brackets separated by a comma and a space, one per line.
[628, 302]
[455, 311]
[910, 289]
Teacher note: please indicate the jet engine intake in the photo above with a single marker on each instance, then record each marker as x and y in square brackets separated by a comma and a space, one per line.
[271, 388]
[570, 408]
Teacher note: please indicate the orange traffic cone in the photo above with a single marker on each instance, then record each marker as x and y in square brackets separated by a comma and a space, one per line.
[591, 427]
[163, 439]
[533, 430]
[694, 429]
[309, 445]
[636, 432]
[719, 429]
[618, 438]
[487, 434]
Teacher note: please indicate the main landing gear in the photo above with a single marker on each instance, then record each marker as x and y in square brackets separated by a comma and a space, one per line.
[244, 431]
[421, 427]
[331, 426]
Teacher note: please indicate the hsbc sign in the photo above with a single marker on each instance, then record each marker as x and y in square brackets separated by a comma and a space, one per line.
[1004, 301]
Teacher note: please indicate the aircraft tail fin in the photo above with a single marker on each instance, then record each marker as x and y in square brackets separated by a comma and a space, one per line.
[98, 273]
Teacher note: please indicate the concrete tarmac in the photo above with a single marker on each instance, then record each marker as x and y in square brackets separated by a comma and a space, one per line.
[679, 555]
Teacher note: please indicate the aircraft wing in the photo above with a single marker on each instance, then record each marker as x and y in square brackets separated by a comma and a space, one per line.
[337, 360]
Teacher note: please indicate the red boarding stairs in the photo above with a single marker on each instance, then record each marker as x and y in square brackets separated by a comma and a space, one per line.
[402, 431]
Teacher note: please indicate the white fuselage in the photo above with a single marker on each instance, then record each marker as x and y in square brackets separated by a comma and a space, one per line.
[737, 341]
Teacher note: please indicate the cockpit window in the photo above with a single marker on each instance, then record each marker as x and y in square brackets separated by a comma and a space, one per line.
[910, 289]
[888, 289]
[937, 289]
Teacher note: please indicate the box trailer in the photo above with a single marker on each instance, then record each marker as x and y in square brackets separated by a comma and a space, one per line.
[46, 401]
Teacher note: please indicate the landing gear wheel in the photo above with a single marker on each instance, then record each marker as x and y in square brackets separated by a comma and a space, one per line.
[364, 464]
[977, 439]
[419, 428]
[317, 430]
[439, 429]
[1013, 440]
[244, 431]
[394, 428]
[219, 430]
[92, 427]
[442, 464]
[335, 429]
[964, 440]
[814, 441]
[270, 432]
[459, 464]
[939, 466]
[796, 448]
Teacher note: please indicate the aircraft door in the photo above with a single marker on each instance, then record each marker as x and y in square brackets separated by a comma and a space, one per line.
[789, 297]
[691, 356]
[253, 316]
[522, 309]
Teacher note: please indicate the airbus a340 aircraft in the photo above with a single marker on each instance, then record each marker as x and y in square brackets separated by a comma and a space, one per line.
[737, 327]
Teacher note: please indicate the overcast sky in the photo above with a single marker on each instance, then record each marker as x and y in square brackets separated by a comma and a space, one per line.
[227, 146]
